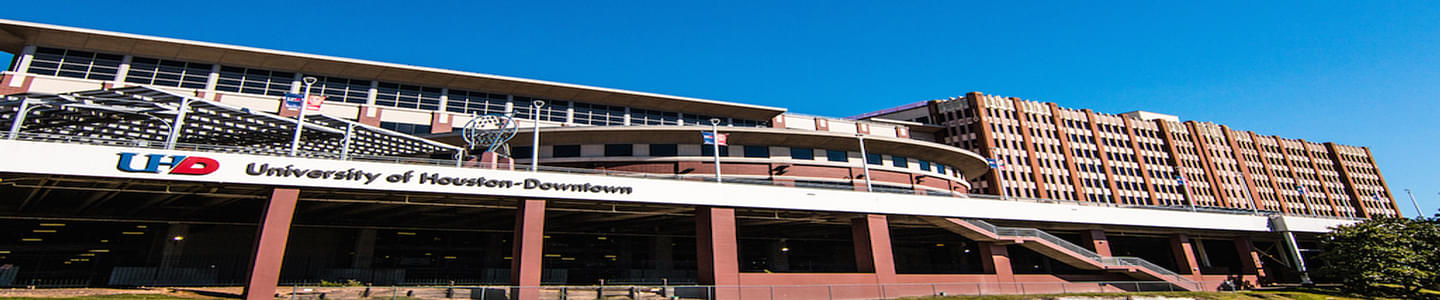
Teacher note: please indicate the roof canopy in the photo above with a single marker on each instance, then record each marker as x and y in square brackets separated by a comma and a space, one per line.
[145, 114]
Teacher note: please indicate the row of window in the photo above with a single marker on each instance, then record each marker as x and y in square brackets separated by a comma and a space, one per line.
[171, 73]
[796, 153]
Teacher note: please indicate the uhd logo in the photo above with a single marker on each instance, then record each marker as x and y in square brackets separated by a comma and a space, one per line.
[177, 164]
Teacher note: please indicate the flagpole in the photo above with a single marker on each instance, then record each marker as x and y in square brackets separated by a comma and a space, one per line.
[1189, 199]
[715, 142]
[300, 119]
[865, 163]
[535, 135]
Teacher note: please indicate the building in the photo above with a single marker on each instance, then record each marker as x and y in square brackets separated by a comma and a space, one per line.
[1151, 159]
[147, 161]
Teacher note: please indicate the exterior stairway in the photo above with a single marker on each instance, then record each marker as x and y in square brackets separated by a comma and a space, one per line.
[1062, 250]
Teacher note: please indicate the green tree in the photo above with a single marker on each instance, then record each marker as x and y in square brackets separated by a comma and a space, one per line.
[1373, 256]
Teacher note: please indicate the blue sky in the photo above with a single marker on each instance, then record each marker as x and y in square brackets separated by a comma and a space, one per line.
[1360, 73]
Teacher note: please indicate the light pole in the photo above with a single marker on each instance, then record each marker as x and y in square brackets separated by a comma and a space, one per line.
[19, 118]
[1418, 213]
[300, 120]
[715, 138]
[180, 122]
[865, 163]
[535, 133]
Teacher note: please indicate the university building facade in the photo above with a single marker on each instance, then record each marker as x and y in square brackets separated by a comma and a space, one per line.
[151, 161]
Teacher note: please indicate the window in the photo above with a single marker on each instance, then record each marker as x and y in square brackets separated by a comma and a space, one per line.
[802, 153]
[168, 73]
[619, 150]
[521, 152]
[874, 159]
[757, 151]
[924, 165]
[598, 115]
[652, 117]
[900, 162]
[709, 150]
[749, 123]
[566, 151]
[664, 150]
[554, 110]
[342, 90]
[406, 128]
[700, 120]
[837, 155]
[475, 102]
[407, 96]
[254, 81]
[75, 64]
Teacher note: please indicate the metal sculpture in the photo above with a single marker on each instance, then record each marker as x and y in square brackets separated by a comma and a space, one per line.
[489, 132]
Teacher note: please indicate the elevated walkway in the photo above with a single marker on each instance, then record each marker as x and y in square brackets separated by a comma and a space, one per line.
[1062, 250]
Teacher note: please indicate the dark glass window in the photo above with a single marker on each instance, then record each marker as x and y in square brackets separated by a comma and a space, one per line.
[924, 165]
[709, 150]
[802, 153]
[77, 64]
[836, 155]
[899, 161]
[619, 150]
[406, 128]
[664, 150]
[757, 151]
[254, 81]
[168, 73]
[475, 102]
[567, 151]
[521, 152]
[874, 159]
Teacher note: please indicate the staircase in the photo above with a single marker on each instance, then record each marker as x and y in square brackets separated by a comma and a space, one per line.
[1061, 250]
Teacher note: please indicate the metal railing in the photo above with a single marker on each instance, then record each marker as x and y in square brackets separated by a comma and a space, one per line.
[1123, 261]
[758, 292]
[275, 151]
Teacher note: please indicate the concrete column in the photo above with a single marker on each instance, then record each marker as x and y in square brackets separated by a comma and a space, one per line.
[1250, 260]
[872, 247]
[1185, 259]
[444, 99]
[995, 259]
[364, 249]
[27, 55]
[296, 84]
[1096, 241]
[525, 268]
[269, 250]
[123, 70]
[371, 95]
[174, 247]
[213, 79]
[717, 254]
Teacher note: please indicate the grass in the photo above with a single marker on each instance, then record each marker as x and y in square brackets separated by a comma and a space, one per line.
[112, 297]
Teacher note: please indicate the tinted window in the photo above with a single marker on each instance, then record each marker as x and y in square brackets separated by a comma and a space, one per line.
[567, 151]
[837, 155]
[520, 152]
[924, 165]
[664, 150]
[619, 150]
[900, 162]
[802, 153]
[757, 151]
[871, 158]
[709, 150]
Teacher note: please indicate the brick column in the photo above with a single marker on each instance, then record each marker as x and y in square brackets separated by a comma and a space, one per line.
[987, 139]
[1250, 263]
[369, 115]
[1021, 117]
[1202, 149]
[1357, 200]
[717, 254]
[528, 249]
[269, 251]
[1185, 259]
[995, 259]
[1104, 156]
[1140, 160]
[441, 122]
[872, 247]
[1096, 241]
[1077, 186]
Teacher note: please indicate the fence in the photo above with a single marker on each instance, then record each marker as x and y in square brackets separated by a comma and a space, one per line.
[706, 292]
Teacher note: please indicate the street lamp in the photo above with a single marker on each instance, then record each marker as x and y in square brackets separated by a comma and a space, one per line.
[300, 120]
[1418, 213]
[865, 163]
[535, 135]
[715, 138]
